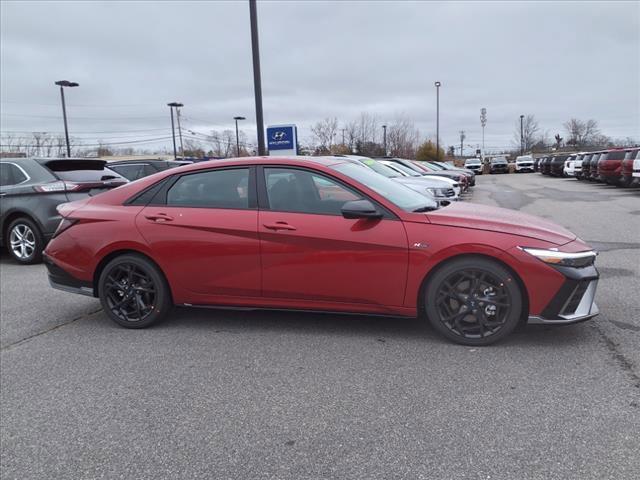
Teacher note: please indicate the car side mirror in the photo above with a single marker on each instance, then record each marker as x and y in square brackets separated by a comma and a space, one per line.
[360, 209]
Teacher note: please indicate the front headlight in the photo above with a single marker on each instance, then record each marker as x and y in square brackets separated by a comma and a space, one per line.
[564, 259]
[437, 192]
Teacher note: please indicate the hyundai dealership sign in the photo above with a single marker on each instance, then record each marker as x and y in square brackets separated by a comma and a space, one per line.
[282, 139]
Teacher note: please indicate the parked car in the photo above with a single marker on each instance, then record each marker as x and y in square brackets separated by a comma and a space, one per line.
[412, 179]
[422, 169]
[610, 166]
[498, 165]
[135, 169]
[473, 164]
[577, 165]
[318, 234]
[545, 165]
[31, 190]
[569, 166]
[636, 169]
[524, 163]
[586, 164]
[556, 165]
[536, 164]
[470, 174]
[441, 189]
[592, 169]
[627, 166]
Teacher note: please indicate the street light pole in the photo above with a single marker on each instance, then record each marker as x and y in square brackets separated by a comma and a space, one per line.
[384, 139]
[171, 106]
[437, 84]
[483, 122]
[62, 84]
[237, 135]
[257, 82]
[180, 132]
[521, 136]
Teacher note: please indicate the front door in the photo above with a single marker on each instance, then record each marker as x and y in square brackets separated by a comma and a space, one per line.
[310, 252]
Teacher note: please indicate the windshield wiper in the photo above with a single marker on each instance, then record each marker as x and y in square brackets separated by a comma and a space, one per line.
[426, 208]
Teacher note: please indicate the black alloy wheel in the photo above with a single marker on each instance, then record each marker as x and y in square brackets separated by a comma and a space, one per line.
[133, 292]
[473, 301]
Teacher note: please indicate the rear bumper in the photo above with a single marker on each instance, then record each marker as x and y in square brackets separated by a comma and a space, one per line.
[61, 280]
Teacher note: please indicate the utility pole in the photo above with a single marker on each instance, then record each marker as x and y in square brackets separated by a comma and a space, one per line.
[384, 139]
[462, 137]
[257, 82]
[521, 136]
[180, 133]
[61, 84]
[483, 122]
[238, 135]
[438, 84]
[171, 106]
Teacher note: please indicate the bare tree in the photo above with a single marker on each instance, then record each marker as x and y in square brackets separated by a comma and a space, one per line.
[324, 133]
[581, 133]
[402, 138]
[530, 136]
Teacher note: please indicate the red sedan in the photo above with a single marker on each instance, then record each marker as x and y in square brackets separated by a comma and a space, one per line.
[317, 234]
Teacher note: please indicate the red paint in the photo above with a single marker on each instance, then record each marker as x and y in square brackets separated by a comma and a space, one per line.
[261, 258]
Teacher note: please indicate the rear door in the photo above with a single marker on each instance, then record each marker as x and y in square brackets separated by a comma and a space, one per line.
[310, 252]
[202, 229]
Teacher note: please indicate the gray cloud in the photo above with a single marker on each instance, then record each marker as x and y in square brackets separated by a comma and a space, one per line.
[551, 59]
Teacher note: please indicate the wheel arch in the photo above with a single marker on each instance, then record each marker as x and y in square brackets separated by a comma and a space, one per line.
[125, 251]
[423, 285]
[14, 215]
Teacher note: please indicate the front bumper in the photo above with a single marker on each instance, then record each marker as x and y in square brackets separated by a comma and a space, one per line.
[574, 302]
[61, 280]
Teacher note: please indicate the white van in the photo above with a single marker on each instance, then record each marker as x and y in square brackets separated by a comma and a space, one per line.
[524, 163]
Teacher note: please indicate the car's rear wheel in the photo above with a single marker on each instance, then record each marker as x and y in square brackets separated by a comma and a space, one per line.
[24, 241]
[473, 301]
[133, 291]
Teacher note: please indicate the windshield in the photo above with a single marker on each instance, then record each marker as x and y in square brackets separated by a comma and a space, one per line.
[401, 196]
[380, 168]
[472, 162]
[499, 161]
[407, 170]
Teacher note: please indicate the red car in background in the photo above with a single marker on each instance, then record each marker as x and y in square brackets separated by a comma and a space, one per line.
[609, 167]
[320, 234]
[626, 171]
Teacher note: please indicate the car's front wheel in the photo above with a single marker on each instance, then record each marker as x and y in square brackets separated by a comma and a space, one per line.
[473, 301]
[133, 291]
[25, 242]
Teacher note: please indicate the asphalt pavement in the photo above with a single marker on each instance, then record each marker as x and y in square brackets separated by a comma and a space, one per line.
[271, 395]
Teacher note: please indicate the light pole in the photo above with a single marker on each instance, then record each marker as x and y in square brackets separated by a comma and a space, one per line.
[171, 106]
[257, 82]
[62, 84]
[438, 84]
[384, 139]
[521, 136]
[483, 122]
[237, 135]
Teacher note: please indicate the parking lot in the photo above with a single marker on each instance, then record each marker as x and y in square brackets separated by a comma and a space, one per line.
[219, 394]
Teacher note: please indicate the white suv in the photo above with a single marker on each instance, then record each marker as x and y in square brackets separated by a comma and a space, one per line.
[473, 164]
[524, 163]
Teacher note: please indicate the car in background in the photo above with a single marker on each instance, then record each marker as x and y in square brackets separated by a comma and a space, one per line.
[627, 166]
[569, 166]
[577, 165]
[318, 234]
[536, 164]
[419, 169]
[636, 169]
[439, 188]
[586, 165]
[610, 166]
[498, 165]
[524, 163]
[556, 165]
[545, 165]
[470, 174]
[473, 164]
[33, 188]
[135, 169]
[591, 172]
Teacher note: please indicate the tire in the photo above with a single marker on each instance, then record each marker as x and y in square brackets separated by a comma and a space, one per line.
[24, 241]
[134, 292]
[473, 301]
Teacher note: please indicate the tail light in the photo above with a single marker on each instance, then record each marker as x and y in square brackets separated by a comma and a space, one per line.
[57, 187]
[64, 224]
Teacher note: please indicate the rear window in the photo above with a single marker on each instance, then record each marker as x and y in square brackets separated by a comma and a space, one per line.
[617, 155]
[81, 170]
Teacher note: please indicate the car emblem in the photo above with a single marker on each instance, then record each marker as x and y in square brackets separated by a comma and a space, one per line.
[420, 245]
[278, 136]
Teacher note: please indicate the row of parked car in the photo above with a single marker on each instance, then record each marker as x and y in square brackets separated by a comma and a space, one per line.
[616, 166]
[33, 188]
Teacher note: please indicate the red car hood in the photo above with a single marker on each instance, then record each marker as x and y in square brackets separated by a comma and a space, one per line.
[495, 219]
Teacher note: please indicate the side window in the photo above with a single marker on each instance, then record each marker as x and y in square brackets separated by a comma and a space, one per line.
[214, 189]
[131, 172]
[291, 190]
[10, 175]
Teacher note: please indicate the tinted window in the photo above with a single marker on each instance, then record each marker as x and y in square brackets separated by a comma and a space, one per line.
[134, 171]
[10, 174]
[81, 170]
[214, 189]
[617, 155]
[291, 190]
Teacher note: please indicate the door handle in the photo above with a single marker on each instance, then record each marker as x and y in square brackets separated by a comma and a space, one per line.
[279, 226]
[159, 217]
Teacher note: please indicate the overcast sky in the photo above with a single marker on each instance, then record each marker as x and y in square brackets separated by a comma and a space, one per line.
[551, 59]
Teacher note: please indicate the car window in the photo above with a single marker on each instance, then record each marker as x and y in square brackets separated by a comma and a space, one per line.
[292, 190]
[227, 188]
[11, 174]
[617, 155]
[81, 170]
[134, 171]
